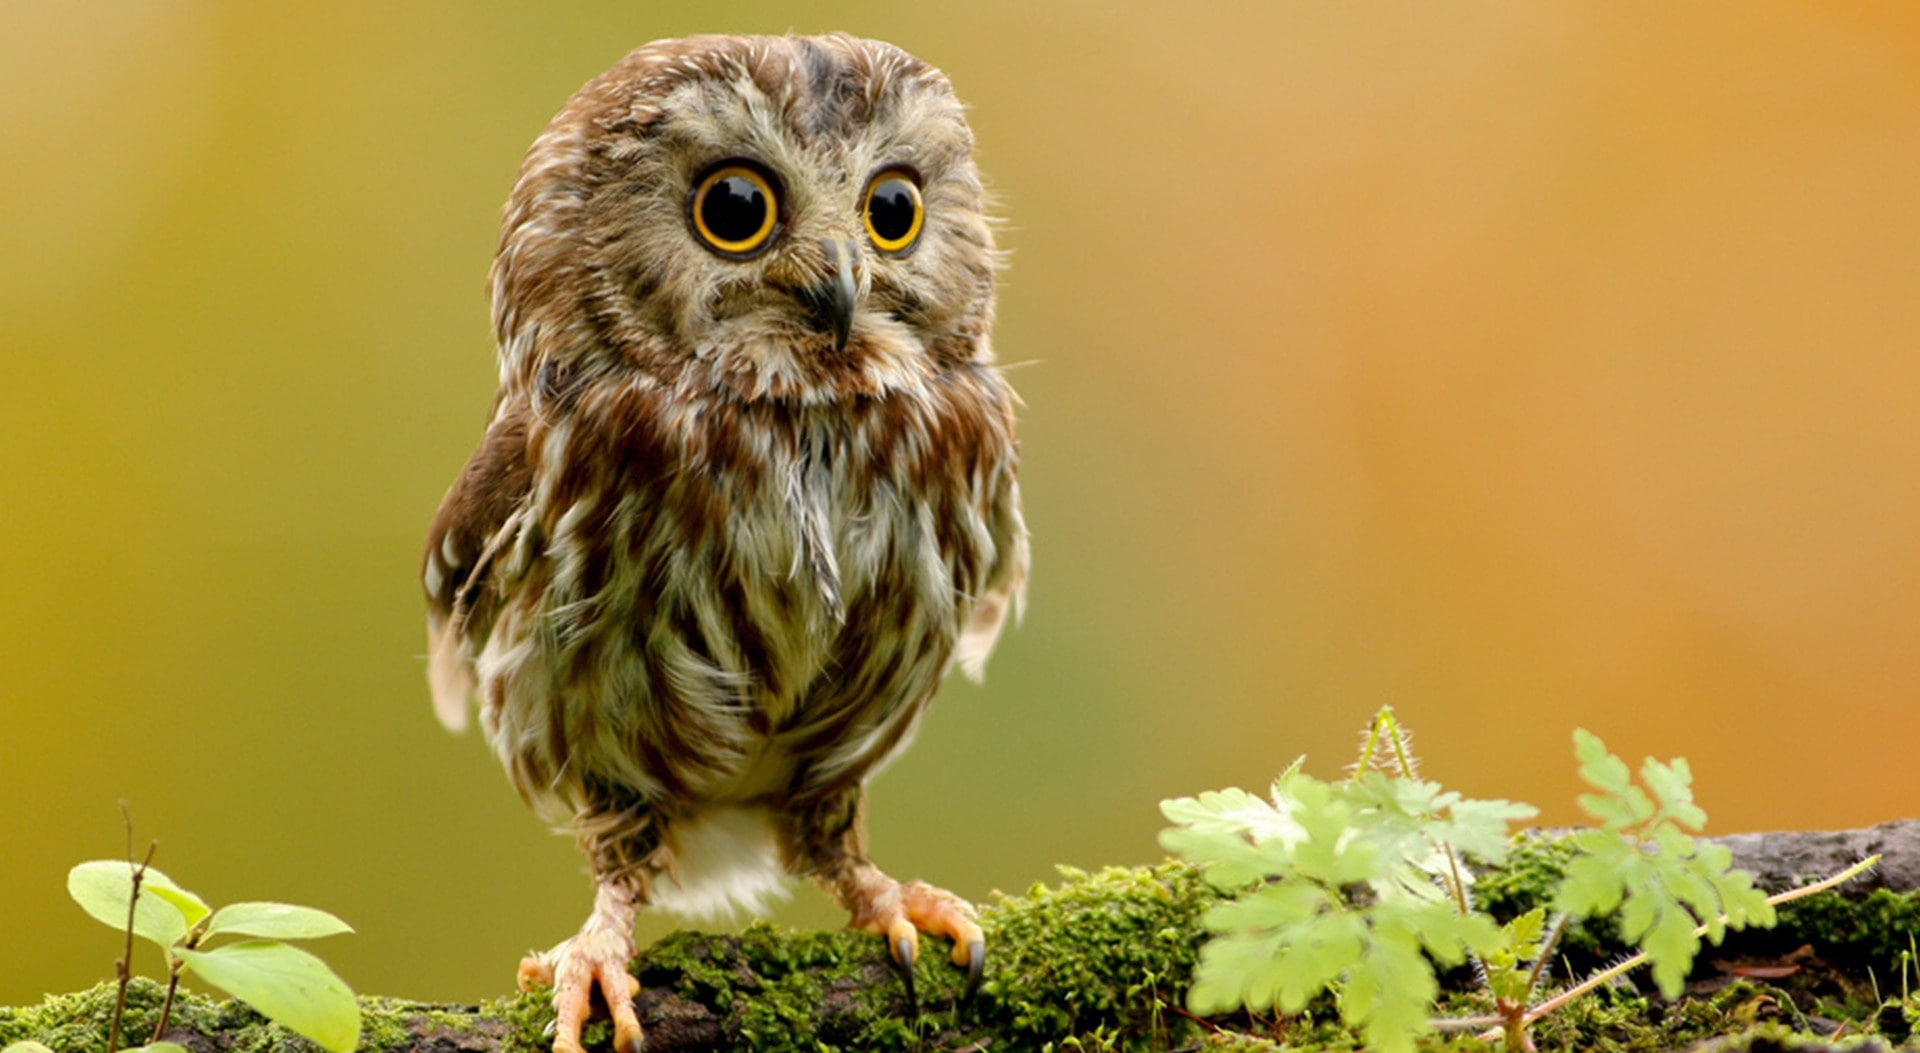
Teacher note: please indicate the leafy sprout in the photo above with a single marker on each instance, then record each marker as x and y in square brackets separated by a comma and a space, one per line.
[1299, 928]
[285, 983]
[1357, 888]
[1643, 863]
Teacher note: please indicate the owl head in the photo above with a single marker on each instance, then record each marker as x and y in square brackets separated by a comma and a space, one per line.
[764, 217]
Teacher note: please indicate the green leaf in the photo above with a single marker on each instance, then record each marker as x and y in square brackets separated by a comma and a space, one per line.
[1237, 837]
[1509, 962]
[1640, 914]
[1482, 828]
[190, 906]
[1743, 903]
[1601, 769]
[164, 913]
[290, 986]
[1524, 933]
[1276, 906]
[1237, 969]
[1672, 786]
[1671, 945]
[1315, 955]
[26, 1046]
[158, 1047]
[1232, 811]
[1216, 990]
[1592, 883]
[1389, 995]
[1450, 936]
[1665, 883]
[283, 921]
[1614, 811]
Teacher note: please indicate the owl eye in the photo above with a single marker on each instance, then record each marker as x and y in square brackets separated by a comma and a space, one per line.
[894, 212]
[735, 210]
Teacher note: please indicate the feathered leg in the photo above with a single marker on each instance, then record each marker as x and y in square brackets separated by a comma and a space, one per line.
[621, 838]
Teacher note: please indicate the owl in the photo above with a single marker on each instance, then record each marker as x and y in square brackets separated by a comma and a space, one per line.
[747, 491]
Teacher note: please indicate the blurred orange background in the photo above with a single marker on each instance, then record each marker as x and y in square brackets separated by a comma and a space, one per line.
[1524, 366]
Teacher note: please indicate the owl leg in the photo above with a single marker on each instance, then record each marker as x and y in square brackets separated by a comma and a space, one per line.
[831, 841]
[600, 956]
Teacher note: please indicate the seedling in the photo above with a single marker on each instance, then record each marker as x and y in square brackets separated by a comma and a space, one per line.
[288, 985]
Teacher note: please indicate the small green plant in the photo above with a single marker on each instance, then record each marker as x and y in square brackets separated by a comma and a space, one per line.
[1358, 887]
[288, 985]
[1642, 862]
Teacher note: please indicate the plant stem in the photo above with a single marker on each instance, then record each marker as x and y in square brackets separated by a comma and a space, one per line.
[1637, 960]
[1401, 752]
[1448, 1024]
[1455, 883]
[166, 1008]
[123, 968]
[1365, 763]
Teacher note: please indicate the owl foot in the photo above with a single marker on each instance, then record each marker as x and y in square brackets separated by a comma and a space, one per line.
[598, 957]
[900, 912]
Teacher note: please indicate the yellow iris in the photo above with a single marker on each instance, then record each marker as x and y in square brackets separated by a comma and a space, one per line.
[735, 210]
[894, 213]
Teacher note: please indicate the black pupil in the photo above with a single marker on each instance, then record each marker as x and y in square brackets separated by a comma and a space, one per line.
[891, 209]
[734, 208]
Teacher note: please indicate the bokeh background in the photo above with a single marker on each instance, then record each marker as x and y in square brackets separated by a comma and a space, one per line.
[1525, 366]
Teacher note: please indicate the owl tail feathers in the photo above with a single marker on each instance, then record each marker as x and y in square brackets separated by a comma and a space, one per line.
[448, 676]
[982, 630]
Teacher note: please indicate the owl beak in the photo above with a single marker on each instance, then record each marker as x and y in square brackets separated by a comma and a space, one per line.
[831, 299]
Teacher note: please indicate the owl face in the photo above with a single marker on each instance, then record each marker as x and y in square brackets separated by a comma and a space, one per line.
[775, 217]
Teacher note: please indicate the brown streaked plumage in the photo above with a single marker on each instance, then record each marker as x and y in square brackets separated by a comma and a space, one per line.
[748, 488]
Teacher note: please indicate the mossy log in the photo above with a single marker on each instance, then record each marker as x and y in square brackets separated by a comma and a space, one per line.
[1101, 962]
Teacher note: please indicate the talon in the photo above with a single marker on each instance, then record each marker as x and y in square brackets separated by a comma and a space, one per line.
[902, 958]
[900, 912]
[592, 961]
[976, 967]
[628, 1040]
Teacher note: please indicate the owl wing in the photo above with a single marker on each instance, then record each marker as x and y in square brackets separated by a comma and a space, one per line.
[474, 521]
[1006, 582]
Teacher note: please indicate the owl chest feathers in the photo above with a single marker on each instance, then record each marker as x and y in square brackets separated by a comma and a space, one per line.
[733, 600]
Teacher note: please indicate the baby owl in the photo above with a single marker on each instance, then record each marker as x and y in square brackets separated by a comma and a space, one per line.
[748, 488]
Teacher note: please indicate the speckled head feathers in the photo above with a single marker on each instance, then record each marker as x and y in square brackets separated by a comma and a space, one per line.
[601, 268]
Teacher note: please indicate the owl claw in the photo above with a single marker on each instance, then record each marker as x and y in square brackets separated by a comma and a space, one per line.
[901, 912]
[574, 970]
[976, 967]
[906, 948]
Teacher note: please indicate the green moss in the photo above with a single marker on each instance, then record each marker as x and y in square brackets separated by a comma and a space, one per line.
[1101, 951]
[523, 1018]
[1874, 930]
[1776, 1039]
[80, 1023]
[391, 1024]
[800, 991]
[1534, 865]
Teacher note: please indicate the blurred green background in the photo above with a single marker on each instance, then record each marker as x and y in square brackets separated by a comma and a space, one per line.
[1521, 365]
